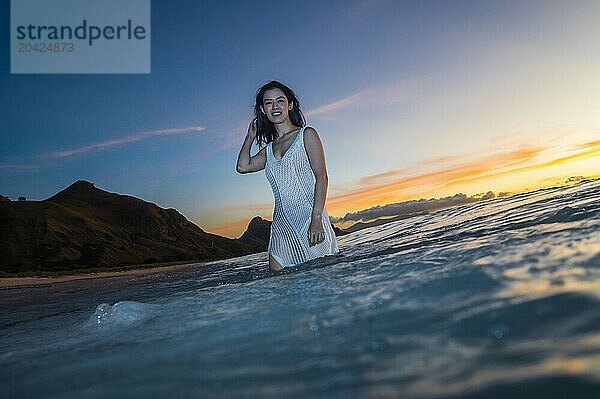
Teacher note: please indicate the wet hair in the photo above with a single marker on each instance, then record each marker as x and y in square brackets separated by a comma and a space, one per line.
[265, 129]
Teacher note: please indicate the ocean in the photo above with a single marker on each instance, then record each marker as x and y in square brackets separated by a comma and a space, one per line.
[496, 299]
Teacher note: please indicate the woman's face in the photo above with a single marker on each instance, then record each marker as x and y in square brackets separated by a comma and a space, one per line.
[275, 105]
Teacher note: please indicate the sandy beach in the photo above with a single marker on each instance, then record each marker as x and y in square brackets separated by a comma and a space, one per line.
[8, 282]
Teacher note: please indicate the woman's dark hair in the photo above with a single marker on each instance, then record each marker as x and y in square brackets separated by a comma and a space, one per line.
[265, 129]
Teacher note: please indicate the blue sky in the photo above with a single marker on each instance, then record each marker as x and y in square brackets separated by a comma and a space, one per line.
[404, 95]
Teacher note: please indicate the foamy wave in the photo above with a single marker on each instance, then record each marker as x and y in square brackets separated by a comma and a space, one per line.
[123, 313]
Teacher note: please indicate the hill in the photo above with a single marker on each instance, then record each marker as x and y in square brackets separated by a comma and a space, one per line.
[83, 227]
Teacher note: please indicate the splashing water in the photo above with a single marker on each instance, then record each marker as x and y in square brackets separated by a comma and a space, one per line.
[494, 299]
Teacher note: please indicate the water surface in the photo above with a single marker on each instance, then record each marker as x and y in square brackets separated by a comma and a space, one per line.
[494, 299]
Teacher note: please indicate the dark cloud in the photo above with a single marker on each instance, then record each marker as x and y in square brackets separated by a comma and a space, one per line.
[485, 196]
[412, 206]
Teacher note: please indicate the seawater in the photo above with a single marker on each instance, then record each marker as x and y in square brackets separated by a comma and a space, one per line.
[497, 299]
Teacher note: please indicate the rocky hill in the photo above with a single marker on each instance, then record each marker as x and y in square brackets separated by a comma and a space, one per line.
[85, 227]
[258, 231]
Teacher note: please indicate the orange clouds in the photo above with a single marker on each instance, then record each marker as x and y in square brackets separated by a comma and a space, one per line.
[401, 184]
[374, 189]
[484, 168]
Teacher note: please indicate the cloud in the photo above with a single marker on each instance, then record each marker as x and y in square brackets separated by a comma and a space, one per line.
[517, 133]
[127, 139]
[381, 187]
[15, 168]
[396, 188]
[412, 206]
[375, 96]
[589, 144]
[440, 173]
[382, 177]
[462, 174]
[394, 185]
[339, 104]
[373, 188]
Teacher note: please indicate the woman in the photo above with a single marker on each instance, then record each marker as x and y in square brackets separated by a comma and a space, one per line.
[294, 165]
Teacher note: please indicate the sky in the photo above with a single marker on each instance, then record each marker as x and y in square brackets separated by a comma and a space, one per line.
[411, 100]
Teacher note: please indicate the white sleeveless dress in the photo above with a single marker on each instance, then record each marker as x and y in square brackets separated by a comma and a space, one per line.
[293, 184]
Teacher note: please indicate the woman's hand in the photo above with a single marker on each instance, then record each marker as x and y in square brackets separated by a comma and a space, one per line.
[316, 233]
[252, 129]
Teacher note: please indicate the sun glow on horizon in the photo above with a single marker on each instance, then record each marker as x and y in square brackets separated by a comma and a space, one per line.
[525, 169]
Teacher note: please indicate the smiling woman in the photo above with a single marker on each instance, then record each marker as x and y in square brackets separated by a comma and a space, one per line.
[294, 164]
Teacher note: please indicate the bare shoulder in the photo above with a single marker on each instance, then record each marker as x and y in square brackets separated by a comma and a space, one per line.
[311, 138]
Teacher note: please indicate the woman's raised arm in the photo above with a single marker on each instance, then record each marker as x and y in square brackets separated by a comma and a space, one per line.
[246, 163]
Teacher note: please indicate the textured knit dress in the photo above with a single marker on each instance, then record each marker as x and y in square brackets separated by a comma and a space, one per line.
[293, 184]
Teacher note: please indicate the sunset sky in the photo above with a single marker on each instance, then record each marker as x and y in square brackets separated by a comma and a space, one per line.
[414, 99]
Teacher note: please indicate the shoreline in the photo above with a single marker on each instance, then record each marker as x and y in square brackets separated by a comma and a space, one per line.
[12, 282]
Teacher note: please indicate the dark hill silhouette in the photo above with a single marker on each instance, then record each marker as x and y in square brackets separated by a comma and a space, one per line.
[84, 227]
[338, 231]
[258, 231]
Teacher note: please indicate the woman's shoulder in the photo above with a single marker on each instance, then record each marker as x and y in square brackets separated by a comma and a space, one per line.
[310, 133]
[312, 142]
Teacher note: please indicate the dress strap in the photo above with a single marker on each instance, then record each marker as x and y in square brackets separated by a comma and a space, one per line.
[302, 132]
[269, 150]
